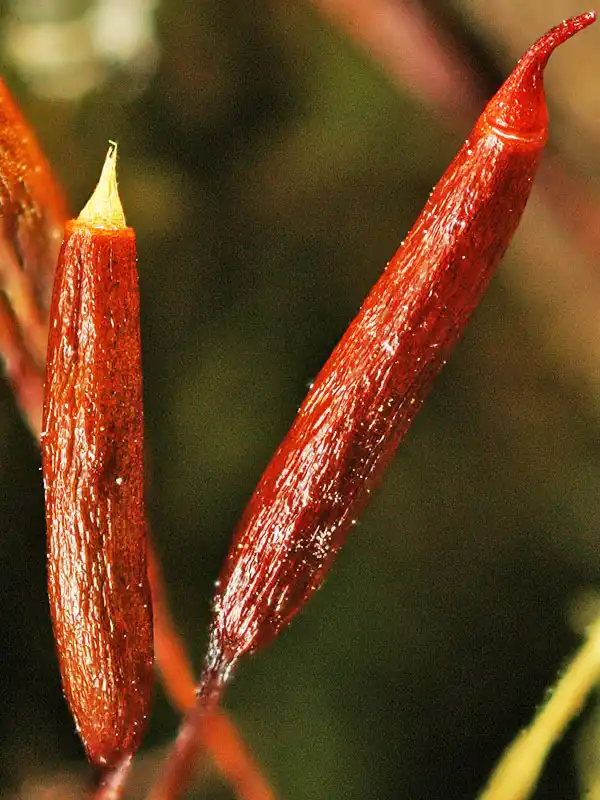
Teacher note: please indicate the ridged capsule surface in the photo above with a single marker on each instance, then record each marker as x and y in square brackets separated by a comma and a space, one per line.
[368, 393]
[93, 474]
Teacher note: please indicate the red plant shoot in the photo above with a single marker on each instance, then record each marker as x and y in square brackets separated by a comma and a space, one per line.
[366, 396]
[93, 475]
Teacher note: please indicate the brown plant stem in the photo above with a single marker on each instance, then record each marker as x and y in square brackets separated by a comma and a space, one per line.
[112, 784]
[177, 771]
[178, 768]
[215, 731]
[171, 656]
[233, 758]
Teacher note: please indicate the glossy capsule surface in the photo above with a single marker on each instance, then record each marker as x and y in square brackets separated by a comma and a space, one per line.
[369, 391]
[92, 444]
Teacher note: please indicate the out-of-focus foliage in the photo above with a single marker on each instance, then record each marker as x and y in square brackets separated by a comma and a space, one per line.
[270, 172]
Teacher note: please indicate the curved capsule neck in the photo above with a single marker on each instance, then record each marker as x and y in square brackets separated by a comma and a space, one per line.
[514, 136]
[519, 106]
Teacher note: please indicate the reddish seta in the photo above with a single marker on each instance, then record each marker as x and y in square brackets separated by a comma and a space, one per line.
[366, 396]
[93, 475]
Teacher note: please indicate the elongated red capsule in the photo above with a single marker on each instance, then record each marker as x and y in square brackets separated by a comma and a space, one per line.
[32, 220]
[32, 204]
[93, 475]
[368, 393]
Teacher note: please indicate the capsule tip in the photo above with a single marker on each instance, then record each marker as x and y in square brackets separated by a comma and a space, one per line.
[104, 209]
[519, 107]
[546, 45]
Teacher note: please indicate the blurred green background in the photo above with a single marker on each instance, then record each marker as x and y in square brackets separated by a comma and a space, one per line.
[270, 170]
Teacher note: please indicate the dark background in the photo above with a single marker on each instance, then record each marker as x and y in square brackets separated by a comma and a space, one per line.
[270, 170]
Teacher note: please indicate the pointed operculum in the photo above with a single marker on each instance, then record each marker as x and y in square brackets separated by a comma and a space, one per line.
[104, 209]
[519, 106]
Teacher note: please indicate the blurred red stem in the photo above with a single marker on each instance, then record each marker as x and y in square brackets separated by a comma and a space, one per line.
[215, 731]
[179, 766]
[24, 377]
[414, 49]
[113, 783]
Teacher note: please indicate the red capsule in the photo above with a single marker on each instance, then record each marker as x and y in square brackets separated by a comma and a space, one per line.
[368, 393]
[93, 475]
[32, 220]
